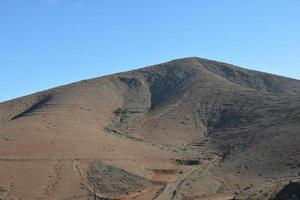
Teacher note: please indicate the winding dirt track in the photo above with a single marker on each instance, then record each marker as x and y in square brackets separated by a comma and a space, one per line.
[169, 191]
[77, 168]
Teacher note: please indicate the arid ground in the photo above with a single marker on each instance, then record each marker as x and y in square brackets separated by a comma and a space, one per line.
[187, 129]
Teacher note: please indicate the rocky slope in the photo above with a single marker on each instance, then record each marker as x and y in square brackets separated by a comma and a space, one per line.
[187, 129]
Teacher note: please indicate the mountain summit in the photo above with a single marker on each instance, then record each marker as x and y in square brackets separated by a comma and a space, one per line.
[187, 129]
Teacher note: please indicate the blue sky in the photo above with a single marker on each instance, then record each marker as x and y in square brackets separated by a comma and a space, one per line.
[47, 43]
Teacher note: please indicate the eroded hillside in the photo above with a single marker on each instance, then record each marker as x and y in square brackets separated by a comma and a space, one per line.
[187, 129]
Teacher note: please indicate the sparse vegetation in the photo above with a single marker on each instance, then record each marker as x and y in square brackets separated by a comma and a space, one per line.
[190, 128]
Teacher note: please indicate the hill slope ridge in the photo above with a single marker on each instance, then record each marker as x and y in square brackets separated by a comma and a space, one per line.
[157, 132]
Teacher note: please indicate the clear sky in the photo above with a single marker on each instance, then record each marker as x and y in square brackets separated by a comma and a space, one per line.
[46, 43]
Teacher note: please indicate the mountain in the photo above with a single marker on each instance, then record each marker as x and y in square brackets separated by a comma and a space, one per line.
[190, 128]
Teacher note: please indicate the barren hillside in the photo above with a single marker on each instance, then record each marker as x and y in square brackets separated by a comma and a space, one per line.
[187, 129]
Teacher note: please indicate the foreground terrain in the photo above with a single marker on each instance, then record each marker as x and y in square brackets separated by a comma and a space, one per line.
[187, 129]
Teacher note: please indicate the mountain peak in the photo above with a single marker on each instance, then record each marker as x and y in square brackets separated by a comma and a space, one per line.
[158, 132]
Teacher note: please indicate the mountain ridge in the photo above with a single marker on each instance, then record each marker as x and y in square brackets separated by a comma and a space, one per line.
[163, 129]
[151, 66]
